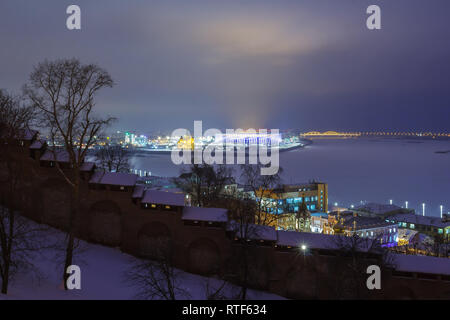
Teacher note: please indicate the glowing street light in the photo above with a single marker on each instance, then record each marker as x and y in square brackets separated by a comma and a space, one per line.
[442, 208]
[303, 247]
[423, 209]
[406, 204]
[390, 201]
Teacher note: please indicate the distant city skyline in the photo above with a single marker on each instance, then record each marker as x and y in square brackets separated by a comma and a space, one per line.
[266, 64]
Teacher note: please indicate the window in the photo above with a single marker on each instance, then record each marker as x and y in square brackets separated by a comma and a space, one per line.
[440, 231]
[412, 226]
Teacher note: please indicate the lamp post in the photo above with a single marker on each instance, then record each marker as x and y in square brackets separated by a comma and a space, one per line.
[390, 201]
[442, 208]
[423, 209]
[303, 247]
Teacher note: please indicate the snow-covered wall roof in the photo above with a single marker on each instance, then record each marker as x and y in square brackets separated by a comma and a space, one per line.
[114, 178]
[37, 144]
[55, 155]
[322, 241]
[425, 264]
[205, 214]
[162, 197]
[253, 231]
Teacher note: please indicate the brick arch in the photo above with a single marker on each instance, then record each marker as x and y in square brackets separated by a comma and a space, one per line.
[154, 238]
[105, 225]
[203, 256]
[55, 198]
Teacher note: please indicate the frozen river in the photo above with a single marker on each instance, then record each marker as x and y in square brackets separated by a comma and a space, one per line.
[363, 169]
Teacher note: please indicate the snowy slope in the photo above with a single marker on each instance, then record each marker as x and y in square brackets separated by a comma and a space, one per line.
[102, 277]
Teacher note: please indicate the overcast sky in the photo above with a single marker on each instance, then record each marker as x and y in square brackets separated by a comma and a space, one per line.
[265, 64]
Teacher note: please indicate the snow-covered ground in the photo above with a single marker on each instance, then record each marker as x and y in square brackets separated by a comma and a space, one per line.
[102, 277]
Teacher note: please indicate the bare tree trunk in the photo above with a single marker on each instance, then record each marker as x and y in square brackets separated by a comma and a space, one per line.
[71, 230]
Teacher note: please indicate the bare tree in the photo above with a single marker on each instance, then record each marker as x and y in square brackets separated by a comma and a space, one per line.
[353, 254]
[63, 95]
[18, 238]
[242, 210]
[205, 183]
[156, 278]
[262, 187]
[113, 158]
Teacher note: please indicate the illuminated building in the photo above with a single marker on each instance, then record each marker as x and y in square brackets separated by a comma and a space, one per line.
[288, 198]
[186, 143]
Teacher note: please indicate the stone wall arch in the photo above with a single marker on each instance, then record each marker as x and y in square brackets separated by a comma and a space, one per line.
[154, 238]
[105, 223]
[203, 256]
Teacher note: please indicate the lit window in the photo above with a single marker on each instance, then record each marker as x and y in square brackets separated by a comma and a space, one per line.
[412, 226]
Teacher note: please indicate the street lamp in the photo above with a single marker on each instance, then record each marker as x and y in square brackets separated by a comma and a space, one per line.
[442, 208]
[303, 247]
[423, 209]
[406, 204]
[390, 201]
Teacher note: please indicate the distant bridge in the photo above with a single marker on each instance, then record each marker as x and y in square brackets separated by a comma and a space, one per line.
[330, 133]
[374, 133]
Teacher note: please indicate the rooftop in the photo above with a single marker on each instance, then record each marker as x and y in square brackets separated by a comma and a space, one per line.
[422, 220]
[205, 214]
[163, 197]
[425, 264]
[378, 208]
[37, 144]
[55, 155]
[253, 231]
[114, 178]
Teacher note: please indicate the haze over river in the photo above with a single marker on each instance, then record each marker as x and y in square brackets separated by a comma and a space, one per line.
[359, 169]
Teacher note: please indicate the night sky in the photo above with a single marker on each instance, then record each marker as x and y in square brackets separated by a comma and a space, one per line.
[268, 64]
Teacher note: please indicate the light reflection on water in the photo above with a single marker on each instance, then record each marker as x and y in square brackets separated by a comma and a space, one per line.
[374, 170]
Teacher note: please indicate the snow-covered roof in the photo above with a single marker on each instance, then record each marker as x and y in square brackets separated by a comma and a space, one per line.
[162, 197]
[253, 231]
[366, 222]
[424, 264]
[138, 192]
[205, 214]
[37, 144]
[418, 219]
[114, 178]
[27, 134]
[322, 241]
[311, 240]
[55, 155]
[378, 208]
[87, 166]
